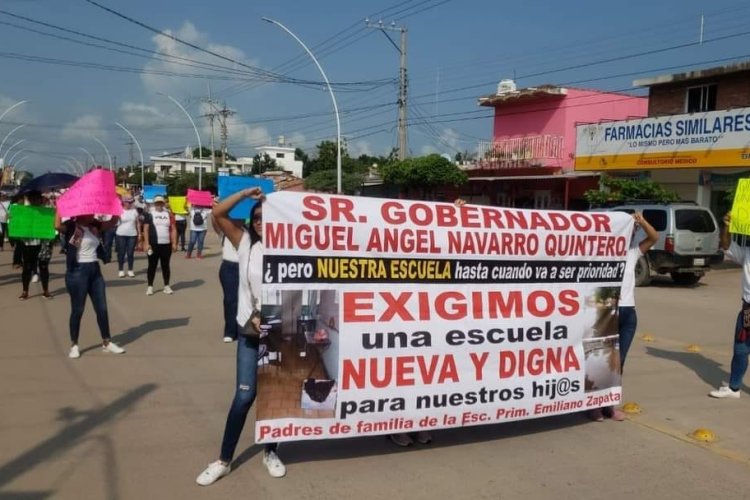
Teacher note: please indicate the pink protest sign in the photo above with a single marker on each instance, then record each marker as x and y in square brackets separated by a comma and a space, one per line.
[200, 198]
[94, 193]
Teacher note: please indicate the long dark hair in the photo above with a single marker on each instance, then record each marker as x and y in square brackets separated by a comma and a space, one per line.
[254, 236]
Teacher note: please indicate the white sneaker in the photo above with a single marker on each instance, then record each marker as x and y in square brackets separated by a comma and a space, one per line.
[113, 348]
[121, 274]
[228, 340]
[131, 274]
[150, 290]
[74, 353]
[168, 290]
[273, 463]
[725, 392]
[213, 473]
[35, 278]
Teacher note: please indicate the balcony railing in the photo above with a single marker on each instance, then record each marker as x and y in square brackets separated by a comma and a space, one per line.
[530, 150]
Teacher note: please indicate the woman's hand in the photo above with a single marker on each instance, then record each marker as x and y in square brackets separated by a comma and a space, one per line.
[256, 193]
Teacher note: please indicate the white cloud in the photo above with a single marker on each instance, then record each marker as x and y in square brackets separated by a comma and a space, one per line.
[358, 148]
[296, 139]
[449, 137]
[169, 47]
[84, 128]
[148, 116]
[428, 149]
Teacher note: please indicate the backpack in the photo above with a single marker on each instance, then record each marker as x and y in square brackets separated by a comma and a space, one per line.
[198, 219]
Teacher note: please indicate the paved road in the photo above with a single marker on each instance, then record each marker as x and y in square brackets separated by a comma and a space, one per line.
[144, 424]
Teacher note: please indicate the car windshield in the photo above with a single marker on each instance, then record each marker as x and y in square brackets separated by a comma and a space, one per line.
[697, 221]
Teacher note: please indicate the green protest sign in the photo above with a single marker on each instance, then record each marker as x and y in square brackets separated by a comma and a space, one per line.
[31, 222]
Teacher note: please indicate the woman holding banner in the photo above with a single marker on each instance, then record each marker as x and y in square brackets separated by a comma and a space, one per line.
[250, 250]
[83, 276]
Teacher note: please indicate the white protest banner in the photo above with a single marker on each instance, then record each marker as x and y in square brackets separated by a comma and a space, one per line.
[393, 316]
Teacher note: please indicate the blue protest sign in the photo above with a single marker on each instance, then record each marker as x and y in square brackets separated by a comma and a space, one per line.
[228, 185]
[154, 190]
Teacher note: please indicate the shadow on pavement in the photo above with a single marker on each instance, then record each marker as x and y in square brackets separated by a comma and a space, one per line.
[26, 495]
[337, 449]
[132, 334]
[71, 435]
[667, 282]
[707, 369]
[183, 285]
[122, 282]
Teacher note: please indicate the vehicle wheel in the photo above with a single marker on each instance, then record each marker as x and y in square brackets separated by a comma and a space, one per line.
[685, 278]
[642, 272]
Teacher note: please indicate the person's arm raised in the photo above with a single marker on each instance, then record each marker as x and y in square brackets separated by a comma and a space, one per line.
[221, 213]
[652, 236]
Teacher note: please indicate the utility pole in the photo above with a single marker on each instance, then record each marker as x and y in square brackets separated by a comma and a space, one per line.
[130, 144]
[403, 82]
[224, 113]
[211, 115]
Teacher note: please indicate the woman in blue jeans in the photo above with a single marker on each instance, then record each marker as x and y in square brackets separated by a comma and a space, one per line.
[83, 277]
[250, 249]
[229, 277]
[126, 236]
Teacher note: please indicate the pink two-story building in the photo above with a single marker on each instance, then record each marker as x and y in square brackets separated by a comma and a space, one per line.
[529, 162]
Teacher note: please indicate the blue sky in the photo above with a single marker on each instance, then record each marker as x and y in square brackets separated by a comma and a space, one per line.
[457, 51]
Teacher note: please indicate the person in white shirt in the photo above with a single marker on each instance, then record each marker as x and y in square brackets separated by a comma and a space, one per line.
[740, 255]
[250, 250]
[83, 277]
[627, 320]
[32, 265]
[181, 224]
[4, 211]
[126, 237]
[198, 220]
[229, 277]
[160, 240]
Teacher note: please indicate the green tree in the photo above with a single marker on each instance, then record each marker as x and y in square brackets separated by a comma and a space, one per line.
[320, 172]
[300, 155]
[615, 190]
[178, 184]
[424, 174]
[135, 177]
[206, 153]
[263, 163]
[326, 181]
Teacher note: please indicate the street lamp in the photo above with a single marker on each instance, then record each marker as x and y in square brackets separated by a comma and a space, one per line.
[11, 108]
[73, 168]
[109, 158]
[10, 162]
[200, 146]
[333, 98]
[79, 166]
[13, 146]
[8, 135]
[140, 151]
[91, 157]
